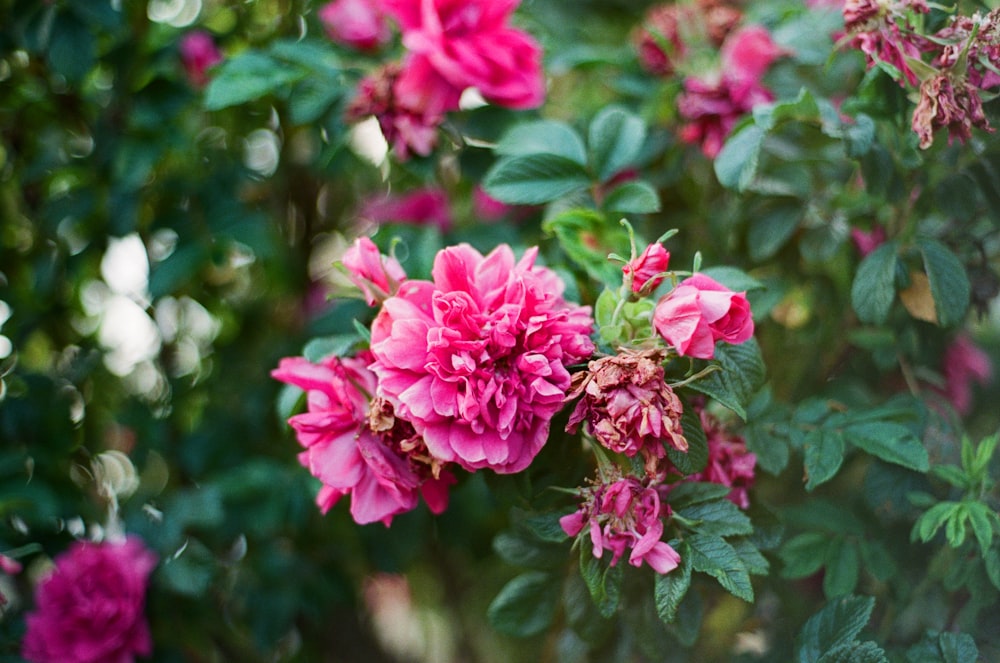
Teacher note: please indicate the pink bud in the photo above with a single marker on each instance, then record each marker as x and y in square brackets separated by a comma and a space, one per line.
[377, 276]
[647, 270]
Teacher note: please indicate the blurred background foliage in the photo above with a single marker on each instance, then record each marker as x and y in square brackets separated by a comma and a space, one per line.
[163, 244]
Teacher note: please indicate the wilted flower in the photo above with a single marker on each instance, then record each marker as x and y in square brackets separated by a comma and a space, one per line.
[477, 359]
[699, 312]
[360, 24]
[629, 408]
[624, 514]
[647, 269]
[964, 363]
[729, 461]
[881, 29]
[948, 103]
[469, 44]
[198, 54]
[376, 275]
[90, 609]
[356, 446]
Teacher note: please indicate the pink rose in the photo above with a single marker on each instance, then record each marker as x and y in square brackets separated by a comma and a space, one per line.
[647, 270]
[469, 44]
[357, 23]
[747, 54]
[376, 275]
[477, 359]
[699, 312]
[198, 54]
[90, 609]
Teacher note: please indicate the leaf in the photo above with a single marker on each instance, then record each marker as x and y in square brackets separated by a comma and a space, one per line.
[603, 581]
[772, 230]
[733, 278]
[720, 517]
[736, 163]
[543, 137]
[615, 140]
[526, 605]
[932, 520]
[842, 568]
[874, 289]
[855, 652]
[713, 555]
[837, 624]
[948, 280]
[751, 556]
[741, 376]
[803, 555]
[534, 179]
[634, 197]
[689, 493]
[801, 109]
[859, 136]
[669, 589]
[696, 457]
[544, 527]
[958, 648]
[824, 453]
[891, 442]
[338, 345]
[248, 76]
[519, 550]
[979, 518]
[587, 239]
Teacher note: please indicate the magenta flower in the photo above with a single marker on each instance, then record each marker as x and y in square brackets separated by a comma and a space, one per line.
[90, 609]
[964, 363]
[868, 240]
[376, 275]
[478, 358]
[729, 461]
[422, 207]
[620, 515]
[629, 408]
[198, 54]
[360, 24]
[658, 41]
[646, 271]
[699, 312]
[358, 447]
[881, 29]
[469, 44]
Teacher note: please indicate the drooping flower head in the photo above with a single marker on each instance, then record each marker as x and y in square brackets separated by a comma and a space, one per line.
[477, 359]
[468, 43]
[629, 408]
[376, 275]
[729, 461]
[355, 445]
[699, 312]
[198, 54]
[947, 103]
[646, 270]
[360, 24]
[91, 607]
[624, 514]
[883, 31]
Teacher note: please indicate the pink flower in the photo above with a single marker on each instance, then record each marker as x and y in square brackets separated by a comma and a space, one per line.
[964, 363]
[422, 207]
[647, 270]
[746, 55]
[881, 30]
[376, 275]
[469, 44]
[198, 54]
[699, 312]
[729, 462]
[477, 359]
[10, 566]
[357, 446]
[624, 514]
[629, 408]
[360, 24]
[90, 609]
[951, 104]
[486, 207]
[868, 241]
[658, 41]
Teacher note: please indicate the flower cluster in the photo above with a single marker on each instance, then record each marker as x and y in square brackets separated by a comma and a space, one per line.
[729, 461]
[90, 608]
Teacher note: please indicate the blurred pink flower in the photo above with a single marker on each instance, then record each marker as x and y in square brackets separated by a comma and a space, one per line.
[90, 609]
[964, 363]
[422, 207]
[868, 240]
[376, 275]
[699, 312]
[729, 462]
[658, 40]
[360, 24]
[746, 55]
[946, 103]
[629, 408]
[881, 29]
[624, 514]
[469, 44]
[356, 445]
[647, 269]
[198, 54]
[10, 566]
[486, 207]
[477, 359]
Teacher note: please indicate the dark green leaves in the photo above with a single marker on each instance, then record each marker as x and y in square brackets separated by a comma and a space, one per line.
[535, 178]
[948, 280]
[670, 588]
[615, 139]
[874, 287]
[246, 77]
[713, 555]
[834, 630]
[741, 376]
[526, 604]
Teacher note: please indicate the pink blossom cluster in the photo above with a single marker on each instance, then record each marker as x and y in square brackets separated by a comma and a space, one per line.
[91, 607]
[729, 461]
[452, 45]
[624, 514]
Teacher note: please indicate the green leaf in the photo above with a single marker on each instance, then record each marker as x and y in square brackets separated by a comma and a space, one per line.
[992, 562]
[544, 526]
[855, 652]
[338, 345]
[519, 550]
[311, 98]
[636, 197]
[248, 76]
[837, 624]
[615, 139]
[876, 559]
[842, 568]
[534, 179]
[587, 238]
[958, 648]
[736, 164]
[543, 137]
[948, 279]
[670, 588]
[751, 556]
[824, 452]
[526, 605]
[689, 493]
[772, 230]
[696, 457]
[715, 556]
[859, 136]
[803, 554]
[874, 289]
[741, 376]
[801, 109]
[891, 442]
[311, 54]
[932, 520]
[733, 278]
[720, 517]
[603, 581]
[979, 518]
